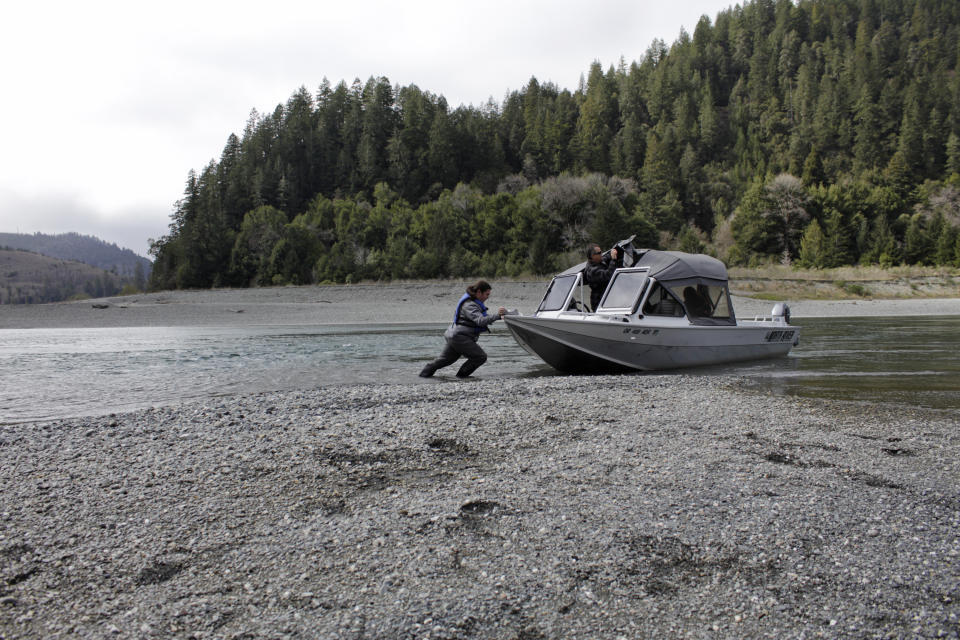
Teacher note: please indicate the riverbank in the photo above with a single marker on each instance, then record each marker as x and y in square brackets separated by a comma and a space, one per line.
[543, 507]
[363, 303]
[561, 507]
[846, 283]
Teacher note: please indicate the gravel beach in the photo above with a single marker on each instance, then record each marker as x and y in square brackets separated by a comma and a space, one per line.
[653, 506]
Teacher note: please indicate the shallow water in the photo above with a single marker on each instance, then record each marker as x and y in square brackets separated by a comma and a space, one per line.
[57, 373]
[906, 361]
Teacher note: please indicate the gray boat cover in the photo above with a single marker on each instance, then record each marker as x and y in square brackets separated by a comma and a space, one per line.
[671, 266]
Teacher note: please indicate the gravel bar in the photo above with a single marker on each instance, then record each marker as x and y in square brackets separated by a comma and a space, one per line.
[413, 302]
[644, 506]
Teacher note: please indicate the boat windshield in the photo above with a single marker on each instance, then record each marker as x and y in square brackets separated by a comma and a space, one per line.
[557, 293]
[624, 291]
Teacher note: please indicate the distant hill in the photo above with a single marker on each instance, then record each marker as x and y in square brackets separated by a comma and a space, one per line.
[27, 278]
[86, 249]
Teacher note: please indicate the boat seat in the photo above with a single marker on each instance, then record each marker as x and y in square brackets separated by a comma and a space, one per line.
[661, 302]
[695, 303]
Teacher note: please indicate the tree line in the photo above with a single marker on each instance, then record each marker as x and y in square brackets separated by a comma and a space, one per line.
[821, 132]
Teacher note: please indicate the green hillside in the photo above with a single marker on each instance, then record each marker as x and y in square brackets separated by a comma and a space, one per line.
[82, 248]
[27, 278]
[822, 133]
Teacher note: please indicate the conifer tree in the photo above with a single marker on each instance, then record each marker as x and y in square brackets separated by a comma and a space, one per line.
[597, 123]
[839, 249]
[814, 247]
[916, 243]
[953, 154]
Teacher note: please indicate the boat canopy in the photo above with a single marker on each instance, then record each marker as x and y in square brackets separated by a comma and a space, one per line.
[690, 284]
[675, 266]
[670, 266]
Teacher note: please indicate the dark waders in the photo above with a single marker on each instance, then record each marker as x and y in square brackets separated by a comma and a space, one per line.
[459, 344]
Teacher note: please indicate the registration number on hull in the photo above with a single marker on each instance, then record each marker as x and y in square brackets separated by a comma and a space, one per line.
[779, 336]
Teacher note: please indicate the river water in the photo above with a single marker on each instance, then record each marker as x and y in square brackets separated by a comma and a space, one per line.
[58, 373]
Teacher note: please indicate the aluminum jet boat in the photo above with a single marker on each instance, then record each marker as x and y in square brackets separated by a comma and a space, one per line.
[661, 310]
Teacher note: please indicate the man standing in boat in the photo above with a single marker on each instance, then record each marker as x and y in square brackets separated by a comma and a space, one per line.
[598, 272]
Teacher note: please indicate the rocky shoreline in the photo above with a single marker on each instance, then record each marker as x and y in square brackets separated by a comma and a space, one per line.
[529, 508]
[567, 507]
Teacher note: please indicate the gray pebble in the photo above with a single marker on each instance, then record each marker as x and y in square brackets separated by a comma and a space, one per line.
[553, 507]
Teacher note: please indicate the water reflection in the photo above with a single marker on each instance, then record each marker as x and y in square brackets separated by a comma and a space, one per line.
[909, 361]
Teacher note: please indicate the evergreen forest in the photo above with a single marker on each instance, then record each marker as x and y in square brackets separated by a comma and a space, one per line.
[817, 133]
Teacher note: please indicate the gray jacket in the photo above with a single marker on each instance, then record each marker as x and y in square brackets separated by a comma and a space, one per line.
[471, 321]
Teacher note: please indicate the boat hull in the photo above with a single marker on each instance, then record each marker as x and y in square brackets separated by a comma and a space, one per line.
[606, 346]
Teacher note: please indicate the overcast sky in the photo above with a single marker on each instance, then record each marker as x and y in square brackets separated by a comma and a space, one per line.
[107, 105]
